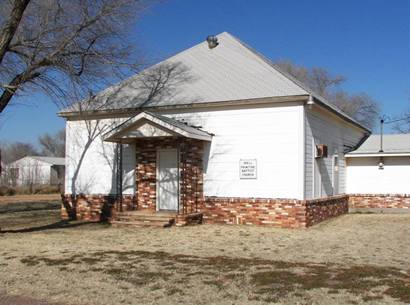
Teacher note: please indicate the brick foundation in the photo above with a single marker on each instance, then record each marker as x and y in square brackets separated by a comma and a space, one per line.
[189, 219]
[379, 201]
[318, 210]
[94, 207]
[282, 213]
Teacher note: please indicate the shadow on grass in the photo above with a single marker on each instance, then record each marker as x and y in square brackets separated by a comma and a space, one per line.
[28, 207]
[62, 224]
[263, 280]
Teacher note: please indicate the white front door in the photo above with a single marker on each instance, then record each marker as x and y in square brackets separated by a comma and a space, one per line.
[167, 180]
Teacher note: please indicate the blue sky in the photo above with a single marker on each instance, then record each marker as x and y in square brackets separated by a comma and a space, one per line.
[368, 41]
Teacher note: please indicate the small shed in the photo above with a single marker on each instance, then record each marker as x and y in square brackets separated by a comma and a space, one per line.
[37, 170]
[381, 165]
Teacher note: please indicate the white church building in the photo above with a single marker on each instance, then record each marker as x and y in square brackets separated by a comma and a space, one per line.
[229, 138]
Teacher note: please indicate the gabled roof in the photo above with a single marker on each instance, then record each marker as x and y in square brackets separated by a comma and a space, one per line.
[232, 71]
[50, 160]
[393, 144]
[158, 125]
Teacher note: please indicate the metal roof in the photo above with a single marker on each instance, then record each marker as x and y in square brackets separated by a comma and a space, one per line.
[392, 144]
[50, 160]
[118, 134]
[229, 72]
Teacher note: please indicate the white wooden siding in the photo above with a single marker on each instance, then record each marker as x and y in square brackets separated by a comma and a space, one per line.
[273, 135]
[96, 172]
[364, 175]
[322, 127]
[32, 171]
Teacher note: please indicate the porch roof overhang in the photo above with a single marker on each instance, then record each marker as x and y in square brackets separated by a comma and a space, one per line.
[149, 125]
[377, 154]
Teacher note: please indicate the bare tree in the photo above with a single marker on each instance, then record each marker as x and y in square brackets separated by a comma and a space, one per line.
[403, 124]
[14, 151]
[318, 79]
[359, 106]
[53, 145]
[64, 48]
[400, 123]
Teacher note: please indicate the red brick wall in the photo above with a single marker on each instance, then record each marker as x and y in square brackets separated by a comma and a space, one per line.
[318, 210]
[288, 213]
[379, 201]
[94, 207]
[146, 170]
[282, 213]
[191, 172]
[191, 179]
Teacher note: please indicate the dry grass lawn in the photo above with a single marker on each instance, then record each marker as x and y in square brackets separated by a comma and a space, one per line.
[354, 259]
[30, 198]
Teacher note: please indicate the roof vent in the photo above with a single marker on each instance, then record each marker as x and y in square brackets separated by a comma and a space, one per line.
[212, 41]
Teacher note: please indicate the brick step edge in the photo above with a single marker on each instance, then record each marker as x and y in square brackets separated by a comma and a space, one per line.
[159, 215]
[163, 224]
[142, 218]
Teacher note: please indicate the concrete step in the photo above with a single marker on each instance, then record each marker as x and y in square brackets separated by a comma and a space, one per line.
[142, 218]
[158, 224]
[147, 214]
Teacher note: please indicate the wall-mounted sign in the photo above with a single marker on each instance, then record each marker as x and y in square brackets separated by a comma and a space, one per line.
[247, 169]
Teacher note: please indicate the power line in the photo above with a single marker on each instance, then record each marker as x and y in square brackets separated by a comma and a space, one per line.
[383, 120]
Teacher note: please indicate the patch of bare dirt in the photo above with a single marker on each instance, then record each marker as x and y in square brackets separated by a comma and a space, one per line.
[20, 300]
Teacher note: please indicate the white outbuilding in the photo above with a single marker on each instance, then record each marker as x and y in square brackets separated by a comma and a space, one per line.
[37, 170]
[381, 165]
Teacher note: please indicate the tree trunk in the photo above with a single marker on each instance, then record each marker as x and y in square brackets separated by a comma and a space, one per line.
[11, 26]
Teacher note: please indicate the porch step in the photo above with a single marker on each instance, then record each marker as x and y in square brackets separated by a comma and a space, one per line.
[158, 224]
[147, 215]
[138, 219]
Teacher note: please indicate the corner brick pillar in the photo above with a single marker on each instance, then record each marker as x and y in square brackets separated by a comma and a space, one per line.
[191, 176]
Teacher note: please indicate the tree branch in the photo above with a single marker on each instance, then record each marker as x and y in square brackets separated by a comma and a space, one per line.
[12, 87]
[11, 26]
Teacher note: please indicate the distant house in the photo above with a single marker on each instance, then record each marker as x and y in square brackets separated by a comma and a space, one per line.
[380, 168]
[37, 170]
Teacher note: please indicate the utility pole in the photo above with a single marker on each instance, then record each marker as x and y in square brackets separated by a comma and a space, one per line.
[384, 121]
[381, 134]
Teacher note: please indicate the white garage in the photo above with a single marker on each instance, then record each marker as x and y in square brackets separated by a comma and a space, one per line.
[380, 167]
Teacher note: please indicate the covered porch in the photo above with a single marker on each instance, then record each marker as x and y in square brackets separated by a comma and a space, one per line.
[169, 168]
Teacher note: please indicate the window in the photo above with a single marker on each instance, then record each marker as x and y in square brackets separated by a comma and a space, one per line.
[14, 173]
[335, 174]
